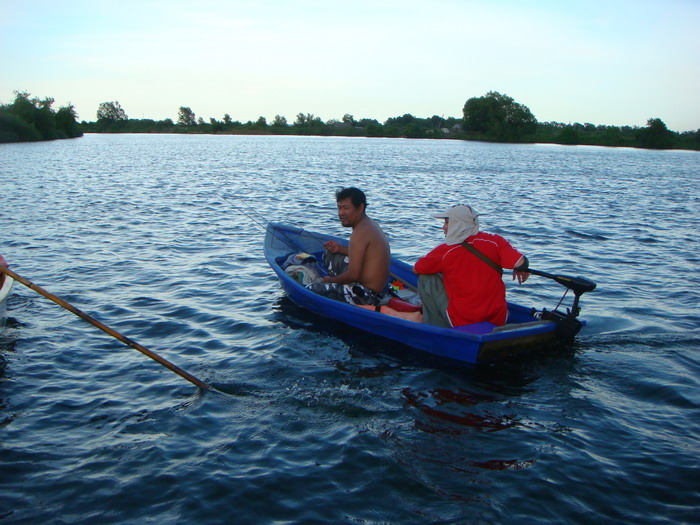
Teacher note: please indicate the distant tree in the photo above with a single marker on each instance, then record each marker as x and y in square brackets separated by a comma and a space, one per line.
[186, 117]
[43, 103]
[67, 121]
[23, 107]
[215, 125]
[365, 122]
[691, 139]
[30, 119]
[227, 119]
[656, 135]
[498, 117]
[437, 121]
[35, 112]
[111, 111]
[279, 121]
[261, 123]
[308, 120]
[403, 120]
[200, 121]
[44, 118]
[349, 119]
[303, 119]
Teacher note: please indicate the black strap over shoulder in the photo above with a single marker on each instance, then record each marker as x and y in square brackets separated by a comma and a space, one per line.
[483, 257]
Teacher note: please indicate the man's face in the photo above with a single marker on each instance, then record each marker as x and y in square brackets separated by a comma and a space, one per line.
[348, 214]
[444, 226]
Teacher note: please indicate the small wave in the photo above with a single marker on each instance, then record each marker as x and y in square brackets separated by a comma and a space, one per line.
[593, 236]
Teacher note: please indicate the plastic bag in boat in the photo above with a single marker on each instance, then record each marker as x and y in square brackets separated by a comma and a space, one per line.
[303, 274]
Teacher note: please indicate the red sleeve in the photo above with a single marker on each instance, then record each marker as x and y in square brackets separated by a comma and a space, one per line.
[431, 262]
[509, 256]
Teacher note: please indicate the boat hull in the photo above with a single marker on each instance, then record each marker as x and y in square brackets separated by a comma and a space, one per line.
[463, 344]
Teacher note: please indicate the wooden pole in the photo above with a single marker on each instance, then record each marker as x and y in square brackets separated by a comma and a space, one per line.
[167, 364]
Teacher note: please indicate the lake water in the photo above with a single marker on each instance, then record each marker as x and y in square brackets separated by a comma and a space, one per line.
[318, 425]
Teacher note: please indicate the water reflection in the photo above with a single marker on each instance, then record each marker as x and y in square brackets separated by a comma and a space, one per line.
[445, 412]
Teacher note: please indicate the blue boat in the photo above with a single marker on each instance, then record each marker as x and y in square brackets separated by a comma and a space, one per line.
[527, 329]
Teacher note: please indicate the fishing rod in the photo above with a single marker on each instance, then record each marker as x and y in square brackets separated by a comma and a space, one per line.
[254, 215]
[261, 221]
[133, 344]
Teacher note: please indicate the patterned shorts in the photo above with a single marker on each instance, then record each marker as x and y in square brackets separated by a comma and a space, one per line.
[350, 293]
[354, 293]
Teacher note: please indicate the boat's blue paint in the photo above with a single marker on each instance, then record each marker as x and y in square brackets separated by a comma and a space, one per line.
[470, 344]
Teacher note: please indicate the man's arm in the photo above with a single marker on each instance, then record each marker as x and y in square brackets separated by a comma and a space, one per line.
[356, 254]
[430, 262]
[334, 247]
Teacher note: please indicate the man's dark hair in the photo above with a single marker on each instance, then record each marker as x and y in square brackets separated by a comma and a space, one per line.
[356, 195]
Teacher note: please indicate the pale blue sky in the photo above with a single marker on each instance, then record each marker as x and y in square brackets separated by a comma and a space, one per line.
[604, 62]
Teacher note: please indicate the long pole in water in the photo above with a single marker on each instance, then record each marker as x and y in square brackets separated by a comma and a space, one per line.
[133, 344]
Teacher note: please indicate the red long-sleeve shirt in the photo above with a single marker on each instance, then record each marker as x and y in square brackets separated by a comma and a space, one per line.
[475, 291]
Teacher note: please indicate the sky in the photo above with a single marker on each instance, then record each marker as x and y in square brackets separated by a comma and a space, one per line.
[613, 62]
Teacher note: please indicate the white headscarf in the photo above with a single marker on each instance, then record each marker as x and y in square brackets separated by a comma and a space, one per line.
[463, 222]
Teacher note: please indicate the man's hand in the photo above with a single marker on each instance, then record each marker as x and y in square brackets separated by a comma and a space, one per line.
[519, 270]
[521, 276]
[332, 246]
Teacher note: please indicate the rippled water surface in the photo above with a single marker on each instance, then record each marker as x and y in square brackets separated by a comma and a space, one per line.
[317, 424]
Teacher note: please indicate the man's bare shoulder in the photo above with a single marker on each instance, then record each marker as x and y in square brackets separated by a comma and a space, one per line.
[369, 230]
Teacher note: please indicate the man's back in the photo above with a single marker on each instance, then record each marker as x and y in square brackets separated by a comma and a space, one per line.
[476, 291]
[370, 244]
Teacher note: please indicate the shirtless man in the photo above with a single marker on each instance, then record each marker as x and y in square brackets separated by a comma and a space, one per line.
[358, 273]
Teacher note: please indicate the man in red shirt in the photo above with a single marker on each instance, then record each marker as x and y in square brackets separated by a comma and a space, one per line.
[470, 289]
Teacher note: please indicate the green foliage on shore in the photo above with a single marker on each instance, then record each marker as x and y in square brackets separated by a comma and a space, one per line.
[33, 119]
[304, 124]
[494, 117]
[654, 136]
[498, 118]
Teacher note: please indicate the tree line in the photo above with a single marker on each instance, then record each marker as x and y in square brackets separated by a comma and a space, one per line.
[111, 118]
[493, 117]
[31, 119]
[497, 117]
